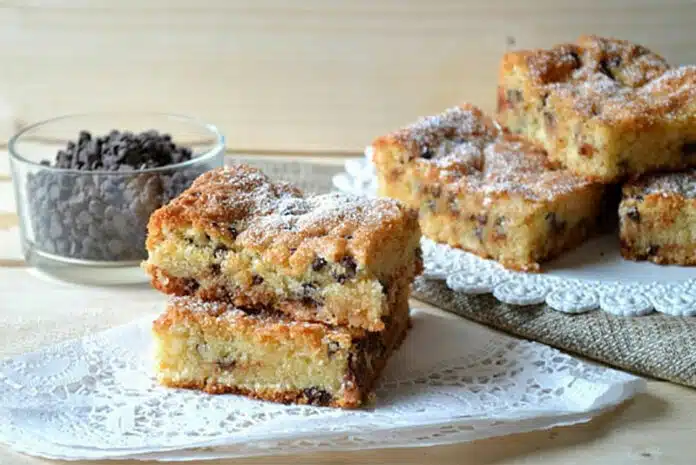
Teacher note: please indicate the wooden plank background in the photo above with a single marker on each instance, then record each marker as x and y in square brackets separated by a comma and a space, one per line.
[307, 75]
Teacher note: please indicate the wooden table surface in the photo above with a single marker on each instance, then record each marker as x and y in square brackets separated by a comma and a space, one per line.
[656, 427]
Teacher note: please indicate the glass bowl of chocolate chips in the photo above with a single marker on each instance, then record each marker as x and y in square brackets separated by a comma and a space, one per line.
[86, 185]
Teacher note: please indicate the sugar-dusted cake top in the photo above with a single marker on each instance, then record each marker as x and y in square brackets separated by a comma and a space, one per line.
[680, 184]
[464, 147]
[242, 205]
[610, 79]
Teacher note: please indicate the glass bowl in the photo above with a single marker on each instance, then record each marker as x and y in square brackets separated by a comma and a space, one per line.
[90, 226]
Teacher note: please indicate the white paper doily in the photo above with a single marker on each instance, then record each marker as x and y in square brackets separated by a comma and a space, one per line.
[95, 398]
[593, 276]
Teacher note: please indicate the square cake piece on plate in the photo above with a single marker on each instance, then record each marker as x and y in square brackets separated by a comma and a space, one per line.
[218, 348]
[657, 218]
[237, 236]
[488, 192]
[607, 109]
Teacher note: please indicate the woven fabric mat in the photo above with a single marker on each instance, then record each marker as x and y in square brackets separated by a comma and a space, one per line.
[660, 346]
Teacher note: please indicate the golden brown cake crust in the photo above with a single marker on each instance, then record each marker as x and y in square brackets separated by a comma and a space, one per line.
[240, 204]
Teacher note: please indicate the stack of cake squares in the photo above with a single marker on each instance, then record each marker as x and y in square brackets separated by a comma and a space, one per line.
[279, 295]
[582, 131]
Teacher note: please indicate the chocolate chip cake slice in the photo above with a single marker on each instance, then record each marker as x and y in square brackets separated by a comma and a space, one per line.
[236, 236]
[486, 191]
[657, 218]
[606, 108]
[215, 347]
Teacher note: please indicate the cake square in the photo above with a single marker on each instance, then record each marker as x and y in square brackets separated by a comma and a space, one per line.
[217, 348]
[486, 191]
[605, 108]
[657, 218]
[237, 236]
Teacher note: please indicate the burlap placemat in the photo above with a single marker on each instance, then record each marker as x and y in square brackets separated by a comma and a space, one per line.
[656, 345]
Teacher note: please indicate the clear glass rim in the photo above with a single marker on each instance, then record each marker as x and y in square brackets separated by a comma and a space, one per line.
[201, 157]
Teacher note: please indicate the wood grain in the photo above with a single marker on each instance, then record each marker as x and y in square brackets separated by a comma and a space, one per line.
[298, 76]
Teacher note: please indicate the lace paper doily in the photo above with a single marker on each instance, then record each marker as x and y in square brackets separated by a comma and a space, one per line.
[593, 276]
[95, 398]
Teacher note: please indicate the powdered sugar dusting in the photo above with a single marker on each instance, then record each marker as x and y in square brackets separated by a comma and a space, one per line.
[243, 202]
[683, 184]
[464, 123]
[481, 162]
[612, 79]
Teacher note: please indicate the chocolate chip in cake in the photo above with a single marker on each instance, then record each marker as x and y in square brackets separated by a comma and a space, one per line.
[227, 363]
[557, 226]
[316, 396]
[605, 69]
[426, 152]
[653, 250]
[349, 264]
[233, 231]
[332, 347]
[514, 96]
[318, 264]
[577, 62]
[633, 214]
[689, 149]
[215, 268]
[549, 120]
[220, 251]
[256, 280]
[191, 285]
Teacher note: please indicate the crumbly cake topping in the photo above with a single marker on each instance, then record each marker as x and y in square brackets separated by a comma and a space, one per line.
[612, 79]
[495, 165]
[245, 205]
[683, 184]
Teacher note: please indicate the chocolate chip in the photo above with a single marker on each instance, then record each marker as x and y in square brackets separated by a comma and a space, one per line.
[426, 153]
[514, 96]
[215, 268]
[332, 347]
[292, 250]
[316, 396]
[111, 210]
[191, 285]
[633, 214]
[689, 149]
[576, 59]
[227, 363]
[653, 250]
[605, 69]
[549, 120]
[557, 226]
[219, 251]
[256, 280]
[385, 285]
[482, 219]
[350, 265]
[233, 231]
[318, 264]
